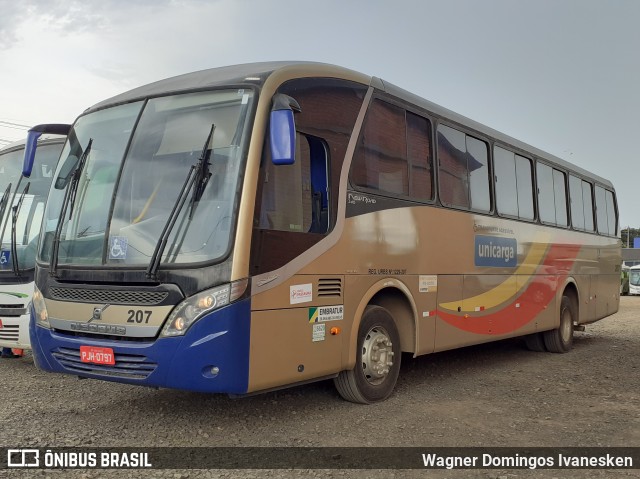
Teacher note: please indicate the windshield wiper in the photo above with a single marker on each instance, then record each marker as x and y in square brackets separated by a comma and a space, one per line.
[15, 211]
[69, 198]
[203, 171]
[197, 178]
[3, 205]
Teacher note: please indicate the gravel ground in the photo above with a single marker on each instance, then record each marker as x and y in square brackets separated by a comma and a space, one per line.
[497, 394]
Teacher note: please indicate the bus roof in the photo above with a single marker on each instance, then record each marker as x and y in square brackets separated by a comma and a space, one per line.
[17, 145]
[257, 73]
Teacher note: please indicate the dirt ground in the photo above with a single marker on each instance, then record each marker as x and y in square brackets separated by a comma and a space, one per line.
[493, 395]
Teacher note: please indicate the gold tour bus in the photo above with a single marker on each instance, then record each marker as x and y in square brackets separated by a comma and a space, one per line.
[251, 227]
[23, 194]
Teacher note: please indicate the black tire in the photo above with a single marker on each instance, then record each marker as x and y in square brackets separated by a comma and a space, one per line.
[373, 377]
[535, 342]
[560, 340]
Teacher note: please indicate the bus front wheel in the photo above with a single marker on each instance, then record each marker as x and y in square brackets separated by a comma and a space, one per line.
[377, 360]
[560, 340]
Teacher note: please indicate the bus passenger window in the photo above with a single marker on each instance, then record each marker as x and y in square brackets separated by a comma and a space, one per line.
[419, 156]
[295, 197]
[552, 195]
[380, 162]
[464, 172]
[606, 212]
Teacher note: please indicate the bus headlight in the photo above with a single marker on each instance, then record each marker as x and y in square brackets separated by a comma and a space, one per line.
[40, 308]
[193, 308]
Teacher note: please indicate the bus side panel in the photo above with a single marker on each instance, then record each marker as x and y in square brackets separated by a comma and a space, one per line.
[450, 291]
[608, 295]
[485, 294]
[291, 338]
[286, 349]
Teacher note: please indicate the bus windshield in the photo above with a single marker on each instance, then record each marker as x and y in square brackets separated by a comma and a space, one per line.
[131, 162]
[634, 277]
[27, 225]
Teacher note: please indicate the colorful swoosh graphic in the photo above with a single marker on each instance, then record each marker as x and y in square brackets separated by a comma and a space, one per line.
[507, 289]
[535, 295]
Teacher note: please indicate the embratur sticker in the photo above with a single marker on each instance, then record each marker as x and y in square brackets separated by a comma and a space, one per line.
[321, 314]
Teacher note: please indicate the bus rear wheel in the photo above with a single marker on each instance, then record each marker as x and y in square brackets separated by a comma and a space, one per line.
[535, 342]
[377, 361]
[560, 340]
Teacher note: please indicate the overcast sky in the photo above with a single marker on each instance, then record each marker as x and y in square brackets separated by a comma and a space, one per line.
[562, 75]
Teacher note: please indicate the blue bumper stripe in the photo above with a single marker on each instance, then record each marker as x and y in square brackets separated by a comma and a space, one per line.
[218, 340]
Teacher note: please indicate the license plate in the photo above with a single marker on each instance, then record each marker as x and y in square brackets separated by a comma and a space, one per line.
[95, 355]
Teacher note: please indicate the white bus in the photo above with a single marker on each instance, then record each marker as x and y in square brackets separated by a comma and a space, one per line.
[634, 279]
[22, 200]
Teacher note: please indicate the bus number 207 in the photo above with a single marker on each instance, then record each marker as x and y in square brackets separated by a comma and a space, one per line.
[138, 316]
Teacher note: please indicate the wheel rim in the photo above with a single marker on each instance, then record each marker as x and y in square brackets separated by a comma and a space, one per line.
[377, 355]
[567, 326]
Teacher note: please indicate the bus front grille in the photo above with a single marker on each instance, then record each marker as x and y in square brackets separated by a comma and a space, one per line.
[127, 366]
[10, 332]
[148, 298]
[12, 310]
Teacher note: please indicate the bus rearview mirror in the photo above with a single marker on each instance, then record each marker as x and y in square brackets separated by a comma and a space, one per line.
[31, 143]
[30, 152]
[282, 136]
[282, 129]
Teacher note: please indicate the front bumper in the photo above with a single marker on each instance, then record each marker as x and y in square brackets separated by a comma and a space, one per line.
[14, 332]
[218, 340]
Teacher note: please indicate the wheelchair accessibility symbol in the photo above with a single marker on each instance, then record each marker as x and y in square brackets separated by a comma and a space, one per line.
[118, 247]
[5, 258]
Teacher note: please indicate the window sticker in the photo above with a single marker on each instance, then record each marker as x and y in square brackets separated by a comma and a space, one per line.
[5, 259]
[118, 247]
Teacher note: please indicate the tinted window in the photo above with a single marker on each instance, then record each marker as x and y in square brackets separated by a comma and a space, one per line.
[587, 200]
[581, 204]
[419, 155]
[325, 124]
[611, 213]
[546, 201]
[524, 180]
[380, 162]
[577, 206]
[505, 176]
[601, 210]
[463, 170]
[560, 194]
[514, 193]
[478, 162]
[286, 193]
[552, 195]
